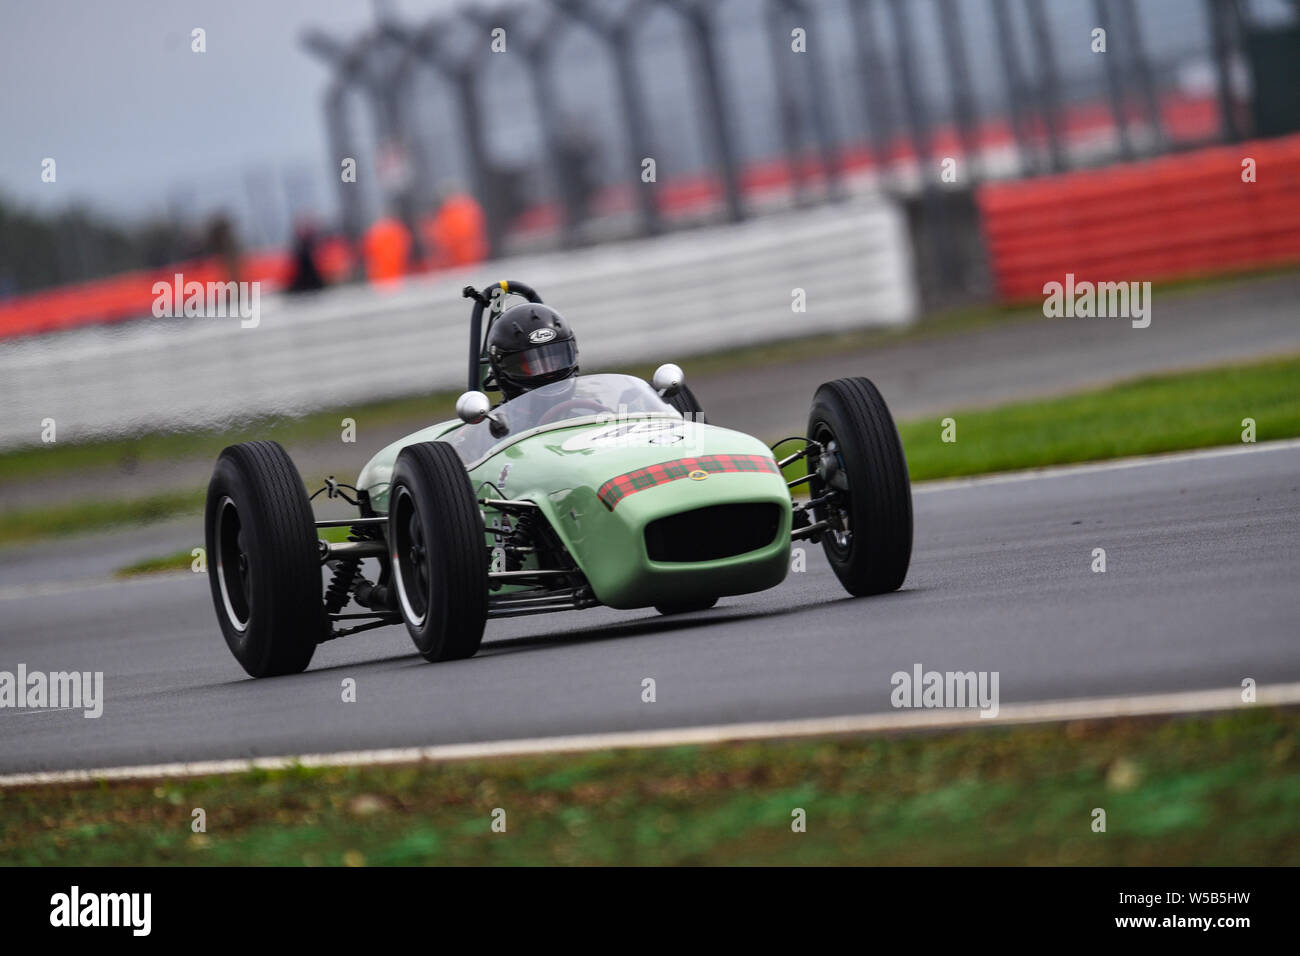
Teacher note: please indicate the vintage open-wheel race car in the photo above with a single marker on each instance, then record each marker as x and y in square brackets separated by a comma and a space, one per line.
[596, 490]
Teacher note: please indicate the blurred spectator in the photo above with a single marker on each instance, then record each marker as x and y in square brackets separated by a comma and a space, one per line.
[507, 197]
[386, 247]
[221, 243]
[306, 275]
[577, 172]
[457, 234]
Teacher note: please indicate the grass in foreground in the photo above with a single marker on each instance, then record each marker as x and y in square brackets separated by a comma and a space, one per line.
[1221, 789]
[1170, 412]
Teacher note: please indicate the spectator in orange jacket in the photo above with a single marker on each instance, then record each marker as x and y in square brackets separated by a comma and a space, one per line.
[387, 248]
[457, 236]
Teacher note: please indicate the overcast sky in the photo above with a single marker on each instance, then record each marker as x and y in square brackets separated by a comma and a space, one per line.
[111, 91]
[139, 124]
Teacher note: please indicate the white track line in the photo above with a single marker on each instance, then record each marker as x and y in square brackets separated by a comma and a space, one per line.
[78, 585]
[1184, 702]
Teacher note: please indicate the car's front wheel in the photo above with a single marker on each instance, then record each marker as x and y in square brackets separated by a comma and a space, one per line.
[263, 559]
[438, 552]
[862, 475]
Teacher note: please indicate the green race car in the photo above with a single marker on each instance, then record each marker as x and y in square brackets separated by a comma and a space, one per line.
[592, 490]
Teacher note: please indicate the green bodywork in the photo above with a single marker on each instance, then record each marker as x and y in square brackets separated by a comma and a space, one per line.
[561, 466]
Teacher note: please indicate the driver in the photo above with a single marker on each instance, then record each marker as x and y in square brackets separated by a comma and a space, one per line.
[531, 345]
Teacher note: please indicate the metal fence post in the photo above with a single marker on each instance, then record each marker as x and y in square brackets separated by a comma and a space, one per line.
[618, 36]
[460, 72]
[939, 234]
[1049, 94]
[695, 16]
[786, 102]
[875, 83]
[1027, 160]
[1111, 68]
[1219, 26]
[819, 95]
[355, 66]
[1142, 70]
[963, 100]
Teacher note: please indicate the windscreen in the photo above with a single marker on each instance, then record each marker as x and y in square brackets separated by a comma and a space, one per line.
[584, 396]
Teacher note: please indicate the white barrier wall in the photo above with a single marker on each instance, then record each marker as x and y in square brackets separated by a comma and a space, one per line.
[654, 300]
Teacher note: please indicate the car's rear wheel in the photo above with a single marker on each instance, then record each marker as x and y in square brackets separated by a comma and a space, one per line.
[684, 401]
[263, 559]
[862, 467]
[439, 558]
[686, 607]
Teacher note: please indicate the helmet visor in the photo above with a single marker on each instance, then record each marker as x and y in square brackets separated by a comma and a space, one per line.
[540, 360]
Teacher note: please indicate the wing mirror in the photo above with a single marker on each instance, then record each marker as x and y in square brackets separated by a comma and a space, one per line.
[474, 407]
[668, 380]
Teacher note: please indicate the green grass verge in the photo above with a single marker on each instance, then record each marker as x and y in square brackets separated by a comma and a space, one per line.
[23, 464]
[1169, 412]
[1211, 790]
[21, 526]
[178, 561]
[184, 560]
[1160, 413]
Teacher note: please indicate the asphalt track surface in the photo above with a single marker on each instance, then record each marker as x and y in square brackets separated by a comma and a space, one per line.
[1203, 563]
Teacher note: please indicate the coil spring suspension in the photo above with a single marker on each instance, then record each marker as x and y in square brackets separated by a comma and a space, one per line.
[347, 571]
[523, 533]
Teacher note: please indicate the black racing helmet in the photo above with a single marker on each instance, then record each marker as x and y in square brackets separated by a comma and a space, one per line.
[531, 345]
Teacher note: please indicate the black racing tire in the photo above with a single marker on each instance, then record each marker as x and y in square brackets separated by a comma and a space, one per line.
[438, 552]
[684, 401]
[875, 557]
[686, 607]
[263, 560]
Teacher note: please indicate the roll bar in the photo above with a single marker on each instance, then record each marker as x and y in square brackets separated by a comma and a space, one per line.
[490, 296]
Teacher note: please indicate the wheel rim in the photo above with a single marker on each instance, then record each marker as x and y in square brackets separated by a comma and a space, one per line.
[232, 565]
[839, 542]
[410, 558]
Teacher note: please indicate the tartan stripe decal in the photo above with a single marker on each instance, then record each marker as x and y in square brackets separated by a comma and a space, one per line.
[616, 489]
